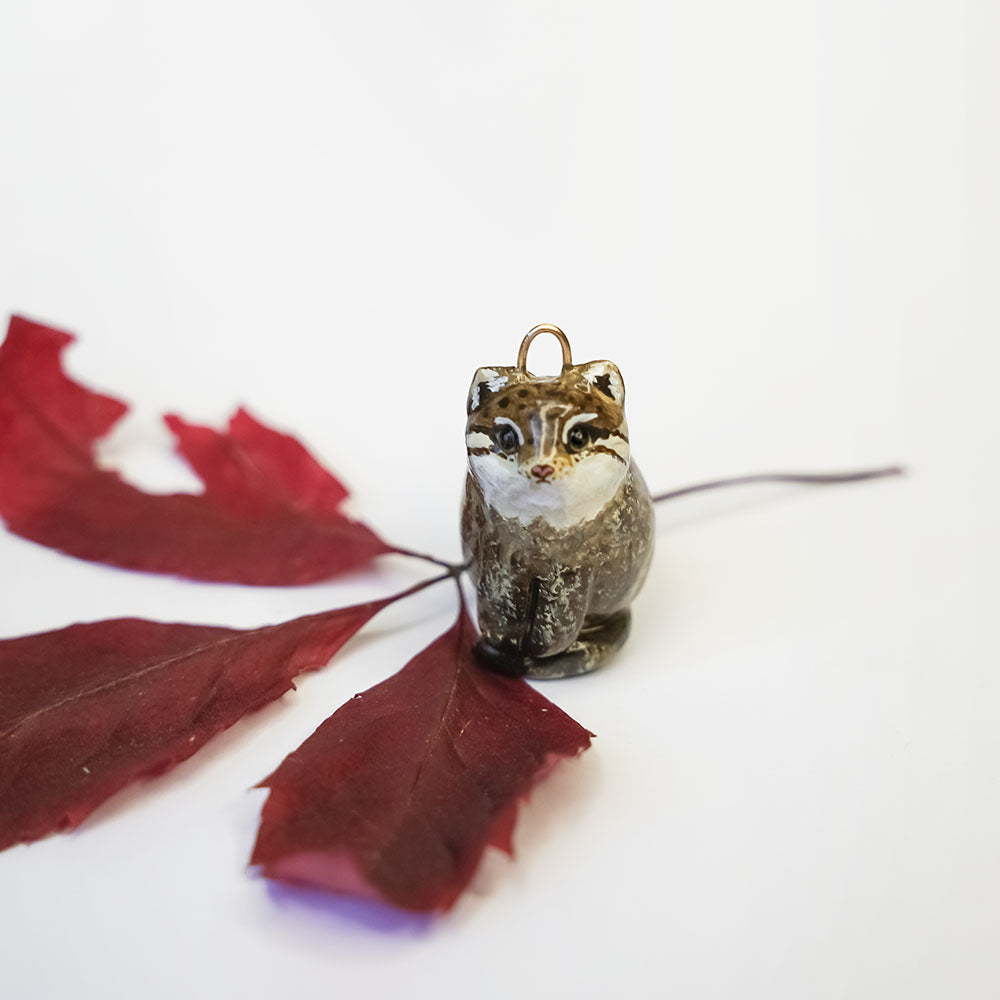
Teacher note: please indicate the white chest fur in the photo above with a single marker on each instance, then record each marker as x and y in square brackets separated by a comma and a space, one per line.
[572, 499]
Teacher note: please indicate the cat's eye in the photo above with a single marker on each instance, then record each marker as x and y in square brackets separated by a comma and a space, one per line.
[578, 438]
[506, 438]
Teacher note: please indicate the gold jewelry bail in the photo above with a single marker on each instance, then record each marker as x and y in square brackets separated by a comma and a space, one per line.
[522, 354]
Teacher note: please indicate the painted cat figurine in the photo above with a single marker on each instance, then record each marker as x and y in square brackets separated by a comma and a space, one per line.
[557, 524]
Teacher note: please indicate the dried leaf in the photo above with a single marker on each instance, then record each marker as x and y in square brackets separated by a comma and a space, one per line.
[90, 708]
[397, 794]
[269, 514]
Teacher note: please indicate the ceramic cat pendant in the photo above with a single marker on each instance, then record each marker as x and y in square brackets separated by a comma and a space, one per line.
[557, 524]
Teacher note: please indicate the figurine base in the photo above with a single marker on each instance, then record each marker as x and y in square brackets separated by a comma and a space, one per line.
[593, 648]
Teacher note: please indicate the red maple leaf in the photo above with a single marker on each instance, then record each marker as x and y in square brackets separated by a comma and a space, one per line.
[396, 796]
[399, 792]
[88, 709]
[269, 513]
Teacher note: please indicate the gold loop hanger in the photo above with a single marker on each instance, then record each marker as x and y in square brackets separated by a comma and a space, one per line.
[522, 354]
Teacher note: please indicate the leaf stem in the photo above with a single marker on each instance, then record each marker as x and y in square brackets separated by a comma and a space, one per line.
[454, 569]
[417, 587]
[812, 479]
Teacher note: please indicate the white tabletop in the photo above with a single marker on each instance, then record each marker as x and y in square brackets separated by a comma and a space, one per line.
[774, 217]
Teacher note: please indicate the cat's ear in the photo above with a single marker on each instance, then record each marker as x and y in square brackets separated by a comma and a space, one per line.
[605, 377]
[487, 382]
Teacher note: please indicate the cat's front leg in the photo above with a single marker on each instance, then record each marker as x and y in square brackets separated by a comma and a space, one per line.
[528, 621]
[555, 610]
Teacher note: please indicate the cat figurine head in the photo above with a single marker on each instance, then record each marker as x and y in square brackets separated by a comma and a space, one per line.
[554, 447]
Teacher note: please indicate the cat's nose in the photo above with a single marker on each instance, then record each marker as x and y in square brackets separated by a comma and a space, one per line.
[542, 472]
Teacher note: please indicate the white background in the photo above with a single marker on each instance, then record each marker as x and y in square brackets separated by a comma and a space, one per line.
[778, 219]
